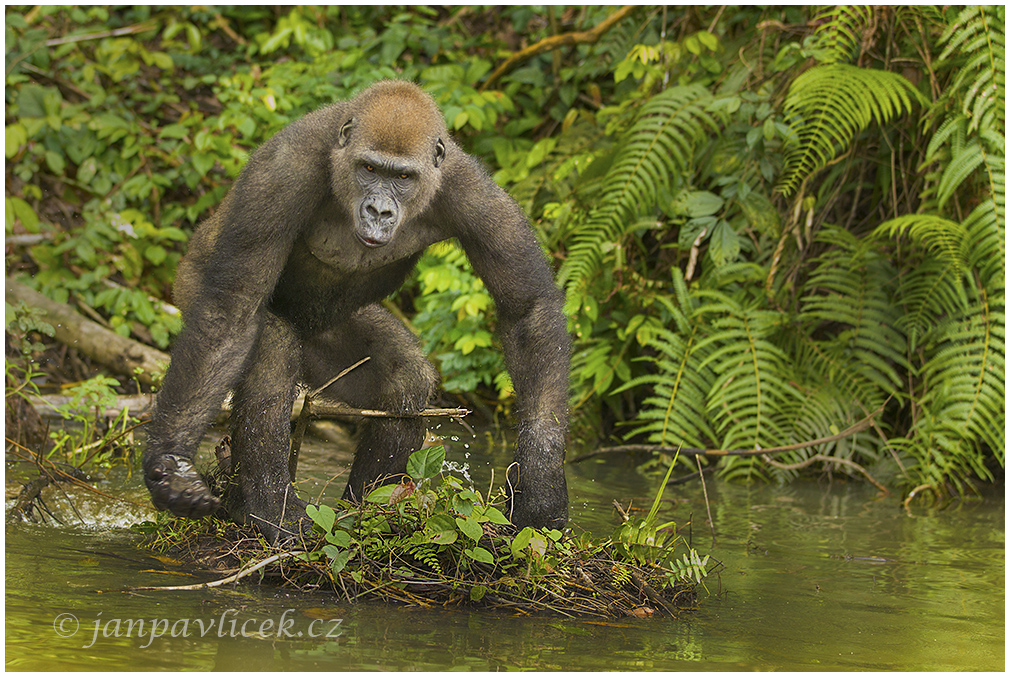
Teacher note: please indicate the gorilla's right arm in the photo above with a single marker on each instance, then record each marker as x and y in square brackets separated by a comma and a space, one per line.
[223, 284]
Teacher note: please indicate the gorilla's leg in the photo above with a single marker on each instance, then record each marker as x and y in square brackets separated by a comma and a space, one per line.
[397, 378]
[260, 491]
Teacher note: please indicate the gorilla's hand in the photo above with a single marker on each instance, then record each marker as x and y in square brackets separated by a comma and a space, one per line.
[176, 486]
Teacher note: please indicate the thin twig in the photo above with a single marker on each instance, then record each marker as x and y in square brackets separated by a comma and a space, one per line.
[704, 491]
[341, 409]
[128, 30]
[303, 417]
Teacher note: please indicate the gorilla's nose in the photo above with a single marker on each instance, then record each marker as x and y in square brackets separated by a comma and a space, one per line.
[378, 214]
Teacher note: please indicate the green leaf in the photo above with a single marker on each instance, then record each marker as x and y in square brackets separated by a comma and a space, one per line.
[425, 463]
[521, 540]
[339, 561]
[441, 529]
[495, 516]
[471, 527]
[18, 209]
[723, 245]
[381, 494]
[56, 162]
[339, 538]
[15, 136]
[702, 203]
[479, 554]
[477, 593]
[322, 516]
[155, 254]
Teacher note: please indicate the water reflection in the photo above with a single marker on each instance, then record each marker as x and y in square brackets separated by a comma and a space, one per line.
[816, 577]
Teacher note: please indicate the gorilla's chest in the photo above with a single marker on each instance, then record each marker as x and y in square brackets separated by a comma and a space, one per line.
[330, 274]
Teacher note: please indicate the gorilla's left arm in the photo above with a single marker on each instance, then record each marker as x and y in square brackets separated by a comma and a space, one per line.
[503, 251]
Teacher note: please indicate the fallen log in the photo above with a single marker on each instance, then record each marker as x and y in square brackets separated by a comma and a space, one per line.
[118, 353]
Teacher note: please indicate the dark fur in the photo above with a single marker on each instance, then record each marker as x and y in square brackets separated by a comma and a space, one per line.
[282, 285]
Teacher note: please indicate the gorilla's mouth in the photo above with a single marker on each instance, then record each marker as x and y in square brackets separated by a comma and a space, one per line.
[371, 242]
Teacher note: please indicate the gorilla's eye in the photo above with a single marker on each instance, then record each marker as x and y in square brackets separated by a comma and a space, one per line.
[404, 176]
[369, 168]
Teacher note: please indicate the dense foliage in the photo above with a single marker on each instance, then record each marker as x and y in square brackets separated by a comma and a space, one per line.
[769, 222]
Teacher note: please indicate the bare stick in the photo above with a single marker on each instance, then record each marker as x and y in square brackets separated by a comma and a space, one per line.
[312, 394]
[128, 30]
[231, 579]
[341, 409]
[704, 491]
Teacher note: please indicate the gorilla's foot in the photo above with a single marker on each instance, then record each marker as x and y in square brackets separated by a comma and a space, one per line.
[280, 517]
[176, 486]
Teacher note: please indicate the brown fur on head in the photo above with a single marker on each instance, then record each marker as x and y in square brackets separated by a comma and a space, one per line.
[399, 118]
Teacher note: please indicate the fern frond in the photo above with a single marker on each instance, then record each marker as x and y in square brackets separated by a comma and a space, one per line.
[945, 238]
[851, 295]
[828, 105]
[824, 410]
[986, 230]
[967, 374]
[838, 32]
[754, 377]
[658, 147]
[976, 43]
[675, 412]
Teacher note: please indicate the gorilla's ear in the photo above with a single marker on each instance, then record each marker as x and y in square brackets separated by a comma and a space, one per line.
[439, 152]
[345, 133]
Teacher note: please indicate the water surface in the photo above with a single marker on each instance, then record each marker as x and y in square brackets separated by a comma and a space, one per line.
[817, 576]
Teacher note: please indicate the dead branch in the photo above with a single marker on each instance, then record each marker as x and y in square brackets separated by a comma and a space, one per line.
[331, 409]
[556, 42]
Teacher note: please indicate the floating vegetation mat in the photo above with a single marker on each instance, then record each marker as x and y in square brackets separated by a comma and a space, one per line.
[425, 545]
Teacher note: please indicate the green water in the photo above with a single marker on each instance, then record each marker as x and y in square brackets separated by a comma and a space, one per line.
[816, 577]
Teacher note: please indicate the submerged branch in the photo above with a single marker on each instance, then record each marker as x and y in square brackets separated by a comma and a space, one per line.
[689, 451]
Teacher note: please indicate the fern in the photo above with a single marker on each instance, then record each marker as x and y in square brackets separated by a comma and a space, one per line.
[850, 294]
[976, 42]
[691, 567]
[837, 36]
[427, 554]
[828, 105]
[967, 374]
[659, 146]
[754, 382]
[675, 414]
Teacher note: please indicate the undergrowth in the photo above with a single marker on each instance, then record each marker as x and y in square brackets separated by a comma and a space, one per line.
[429, 540]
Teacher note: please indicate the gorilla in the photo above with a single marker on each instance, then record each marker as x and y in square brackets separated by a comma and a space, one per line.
[282, 285]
